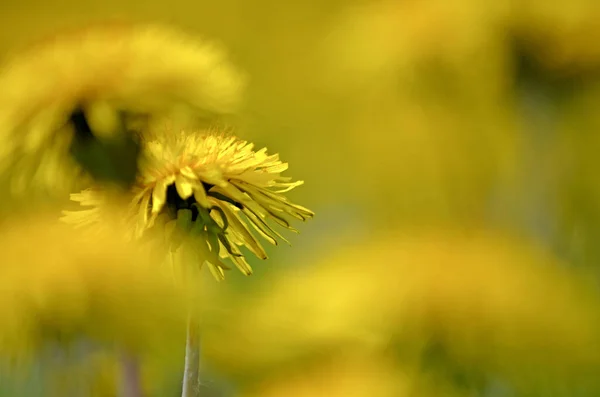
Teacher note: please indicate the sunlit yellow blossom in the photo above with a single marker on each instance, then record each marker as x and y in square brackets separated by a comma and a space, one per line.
[97, 83]
[202, 189]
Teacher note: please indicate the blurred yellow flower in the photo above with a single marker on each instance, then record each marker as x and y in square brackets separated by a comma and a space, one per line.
[201, 188]
[98, 82]
[485, 298]
[347, 375]
[354, 374]
[428, 91]
[57, 284]
[562, 35]
[387, 38]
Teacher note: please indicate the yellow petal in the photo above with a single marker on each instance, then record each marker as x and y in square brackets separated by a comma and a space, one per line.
[200, 195]
[184, 187]
[288, 186]
[159, 193]
[260, 226]
[275, 169]
[217, 272]
[241, 264]
[238, 226]
[188, 173]
[144, 209]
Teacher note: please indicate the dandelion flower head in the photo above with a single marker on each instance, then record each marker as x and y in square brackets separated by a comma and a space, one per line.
[209, 191]
[111, 75]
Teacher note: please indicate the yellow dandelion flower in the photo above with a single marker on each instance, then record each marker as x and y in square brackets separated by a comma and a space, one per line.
[70, 286]
[485, 297]
[203, 189]
[94, 85]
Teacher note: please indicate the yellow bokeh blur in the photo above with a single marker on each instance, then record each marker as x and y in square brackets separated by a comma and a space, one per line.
[450, 153]
[59, 285]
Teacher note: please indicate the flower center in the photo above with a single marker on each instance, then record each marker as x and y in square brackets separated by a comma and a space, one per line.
[110, 160]
[176, 203]
[83, 132]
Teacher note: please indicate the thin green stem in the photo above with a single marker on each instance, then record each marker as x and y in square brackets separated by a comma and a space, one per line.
[191, 381]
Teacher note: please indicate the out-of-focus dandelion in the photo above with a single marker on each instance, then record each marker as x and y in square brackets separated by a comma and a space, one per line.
[71, 287]
[484, 298]
[86, 91]
[430, 82]
[200, 190]
[561, 35]
[348, 375]
[352, 373]
[393, 38]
